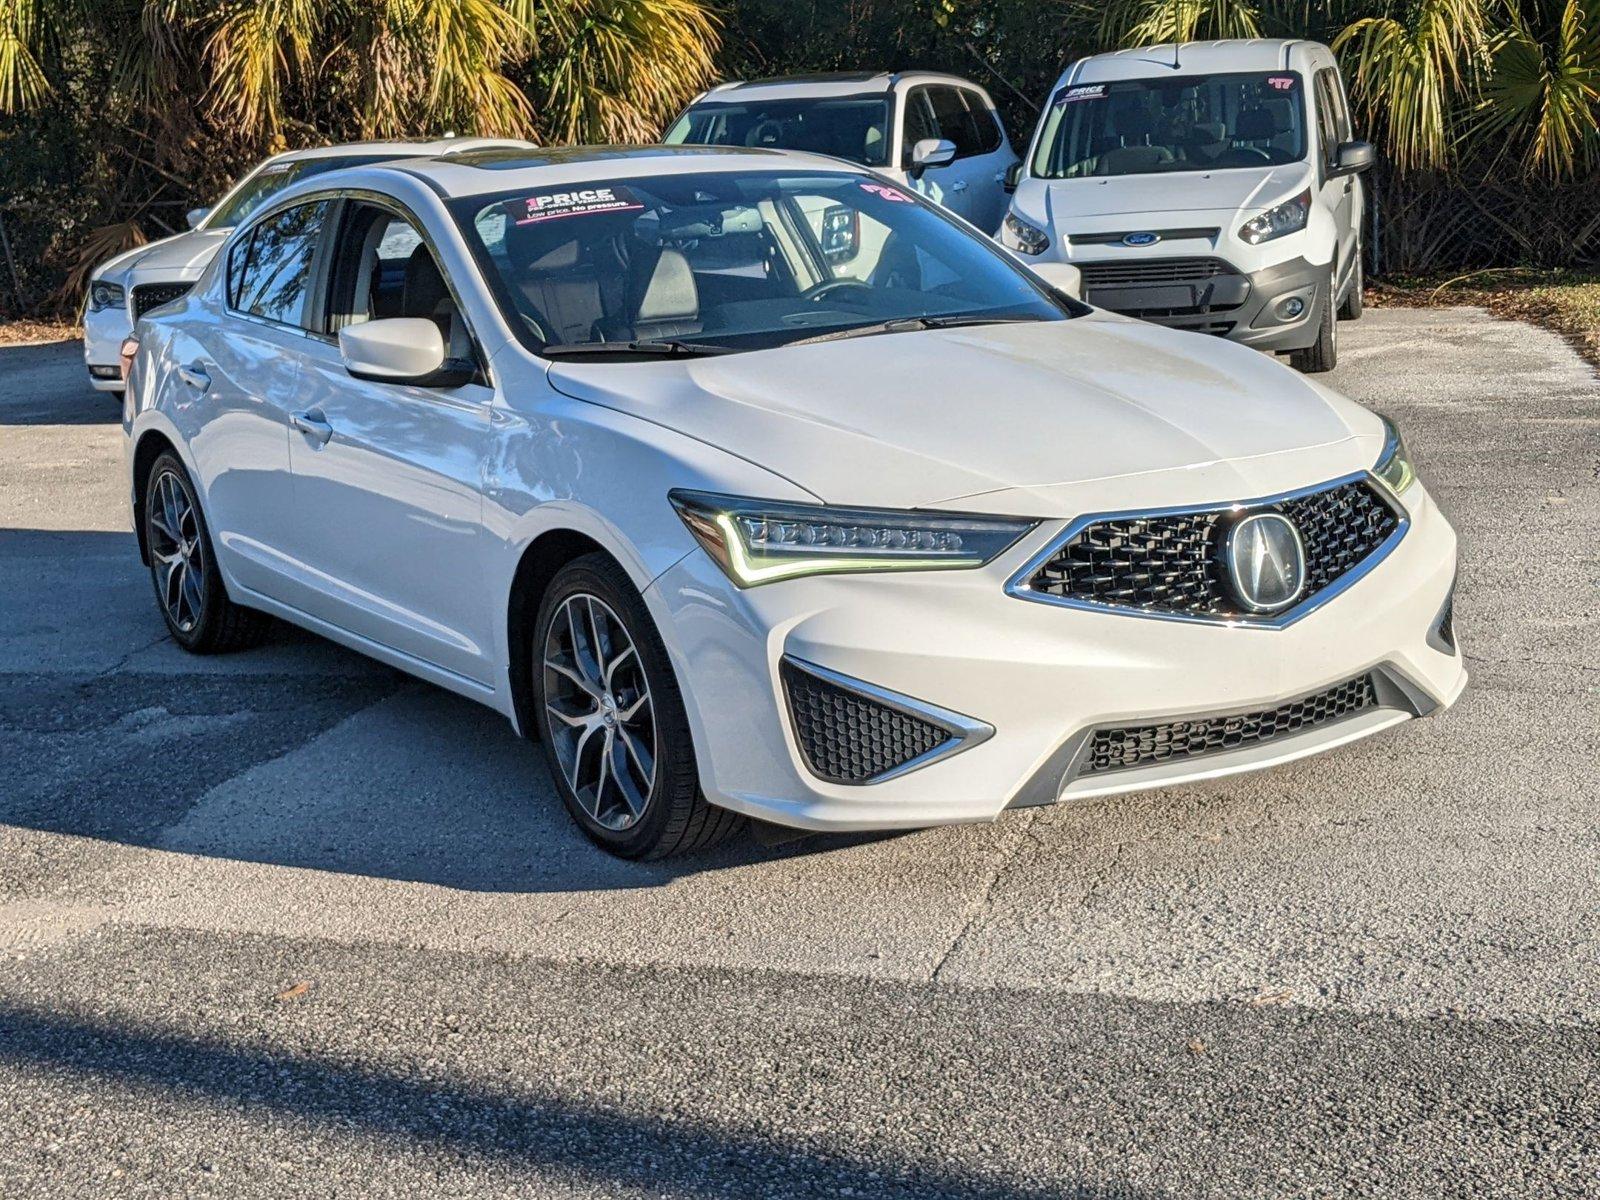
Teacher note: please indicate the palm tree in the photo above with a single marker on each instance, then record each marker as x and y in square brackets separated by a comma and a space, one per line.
[1543, 92]
[1153, 22]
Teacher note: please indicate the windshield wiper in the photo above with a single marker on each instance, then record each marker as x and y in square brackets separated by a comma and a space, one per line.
[914, 325]
[663, 349]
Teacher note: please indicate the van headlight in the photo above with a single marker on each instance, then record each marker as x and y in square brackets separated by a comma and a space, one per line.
[105, 295]
[1017, 234]
[1394, 466]
[1285, 218]
[762, 541]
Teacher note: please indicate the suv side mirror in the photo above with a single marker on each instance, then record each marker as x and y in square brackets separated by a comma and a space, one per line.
[1013, 177]
[1349, 158]
[195, 215]
[402, 350]
[931, 152]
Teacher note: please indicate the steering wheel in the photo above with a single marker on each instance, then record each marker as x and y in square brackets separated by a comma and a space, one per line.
[763, 131]
[828, 286]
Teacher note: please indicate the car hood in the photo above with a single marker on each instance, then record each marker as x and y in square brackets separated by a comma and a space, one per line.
[918, 419]
[181, 256]
[1191, 191]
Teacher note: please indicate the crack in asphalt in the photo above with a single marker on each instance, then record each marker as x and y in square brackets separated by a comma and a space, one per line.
[1003, 860]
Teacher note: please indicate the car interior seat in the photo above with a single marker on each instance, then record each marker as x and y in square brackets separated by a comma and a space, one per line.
[425, 294]
[663, 297]
[1134, 125]
[559, 277]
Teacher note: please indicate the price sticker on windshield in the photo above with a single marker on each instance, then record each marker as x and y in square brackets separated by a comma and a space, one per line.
[580, 202]
[1281, 83]
[887, 192]
[1084, 91]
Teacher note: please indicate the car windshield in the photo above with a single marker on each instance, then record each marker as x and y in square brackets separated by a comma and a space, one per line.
[272, 178]
[736, 261]
[851, 127]
[1178, 123]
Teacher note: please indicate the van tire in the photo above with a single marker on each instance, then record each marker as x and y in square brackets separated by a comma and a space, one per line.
[1323, 354]
[1350, 306]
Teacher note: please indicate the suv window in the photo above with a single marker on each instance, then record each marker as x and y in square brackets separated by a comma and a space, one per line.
[985, 123]
[919, 123]
[269, 269]
[1333, 121]
[955, 121]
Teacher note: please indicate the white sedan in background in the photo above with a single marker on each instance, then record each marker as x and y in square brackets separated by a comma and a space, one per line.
[631, 447]
[124, 288]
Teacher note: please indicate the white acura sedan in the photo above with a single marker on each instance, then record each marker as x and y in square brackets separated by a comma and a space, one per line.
[751, 485]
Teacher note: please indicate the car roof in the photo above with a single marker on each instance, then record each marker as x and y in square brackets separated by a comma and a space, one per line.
[834, 83]
[482, 171]
[403, 149]
[1196, 58]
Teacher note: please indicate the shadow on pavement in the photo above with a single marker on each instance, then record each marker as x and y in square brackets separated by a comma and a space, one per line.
[676, 1157]
[47, 384]
[111, 732]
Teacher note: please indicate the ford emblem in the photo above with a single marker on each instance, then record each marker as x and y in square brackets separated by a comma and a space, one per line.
[1140, 239]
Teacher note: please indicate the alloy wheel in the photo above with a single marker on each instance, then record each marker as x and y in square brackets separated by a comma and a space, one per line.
[177, 552]
[598, 711]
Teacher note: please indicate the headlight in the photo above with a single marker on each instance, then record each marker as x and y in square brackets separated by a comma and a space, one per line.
[1017, 234]
[105, 295]
[1394, 467]
[1288, 217]
[761, 541]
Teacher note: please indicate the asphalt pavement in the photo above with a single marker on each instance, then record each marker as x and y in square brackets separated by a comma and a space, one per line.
[287, 923]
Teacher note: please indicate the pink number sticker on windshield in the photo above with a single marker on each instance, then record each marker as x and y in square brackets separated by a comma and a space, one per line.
[887, 192]
[1281, 83]
[580, 202]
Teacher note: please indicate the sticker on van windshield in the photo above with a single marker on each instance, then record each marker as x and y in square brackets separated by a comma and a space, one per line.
[887, 192]
[1084, 91]
[1281, 83]
[581, 202]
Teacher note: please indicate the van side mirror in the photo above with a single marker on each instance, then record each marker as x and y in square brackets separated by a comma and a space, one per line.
[1350, 158]
[402, 350]
[931, 152]
[1013, 177]
[195, 215]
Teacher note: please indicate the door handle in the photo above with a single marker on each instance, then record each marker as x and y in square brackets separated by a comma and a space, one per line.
[195, 376]
[313, 424]
[959, 185]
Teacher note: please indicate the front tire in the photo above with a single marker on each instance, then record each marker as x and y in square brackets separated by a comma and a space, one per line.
[1322, 354]
[189, 590]
[611, 718]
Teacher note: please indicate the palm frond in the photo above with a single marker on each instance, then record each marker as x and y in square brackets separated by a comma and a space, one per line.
[22, 78]
[1543, 94]
[1155, 22]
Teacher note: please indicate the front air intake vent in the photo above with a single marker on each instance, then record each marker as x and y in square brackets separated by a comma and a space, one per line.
[851, 732]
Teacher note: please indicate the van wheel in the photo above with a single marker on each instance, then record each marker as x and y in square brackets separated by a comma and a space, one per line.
[194, 601]
[1350, 309]
[1322, 354]
[612, 721]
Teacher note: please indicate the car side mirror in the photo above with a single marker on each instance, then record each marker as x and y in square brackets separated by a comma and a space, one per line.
[1350, 158]
[931, 152]
[1013, 177]
[195, 215]
[407, 350]
[1059, 276]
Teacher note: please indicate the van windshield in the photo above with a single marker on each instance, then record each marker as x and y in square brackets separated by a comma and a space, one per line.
[1174, 123]
[849, 127]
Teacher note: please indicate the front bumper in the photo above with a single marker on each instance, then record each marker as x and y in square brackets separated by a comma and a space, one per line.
[1041, 677]
[1241, 306]
[104, 331]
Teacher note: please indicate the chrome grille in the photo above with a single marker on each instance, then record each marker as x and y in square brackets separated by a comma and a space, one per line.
[153, 295]
[1133, 746]
[1172, 562]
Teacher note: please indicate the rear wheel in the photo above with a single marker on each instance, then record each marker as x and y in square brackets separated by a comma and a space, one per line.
[612, 720]
[189, 588]
[1322, 354]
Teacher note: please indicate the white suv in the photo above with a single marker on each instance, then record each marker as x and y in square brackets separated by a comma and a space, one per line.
[936, 134]
[1209, 186]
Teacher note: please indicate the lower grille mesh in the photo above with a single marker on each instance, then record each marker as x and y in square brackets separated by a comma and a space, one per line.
[154, 295]
[846, 737]
[1148, 745]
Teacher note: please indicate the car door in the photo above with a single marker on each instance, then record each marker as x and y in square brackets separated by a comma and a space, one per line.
[242, 365]
[388, 477]
[985, 168]
[1338, 194]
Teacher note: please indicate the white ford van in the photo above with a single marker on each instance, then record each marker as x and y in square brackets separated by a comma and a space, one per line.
[1211, 186]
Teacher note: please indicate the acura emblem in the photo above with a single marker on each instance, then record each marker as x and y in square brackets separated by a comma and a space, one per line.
[1140, 239]
[1265, 561]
